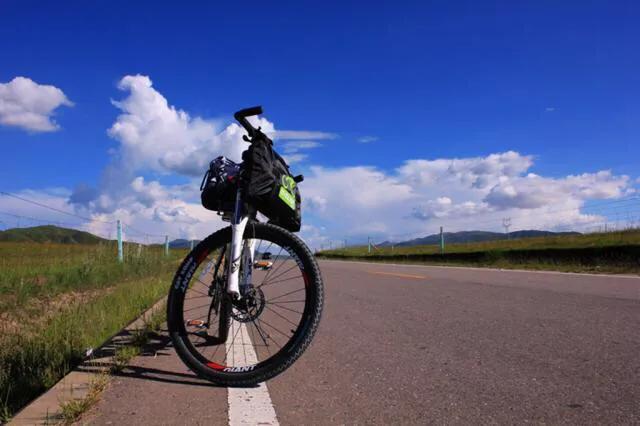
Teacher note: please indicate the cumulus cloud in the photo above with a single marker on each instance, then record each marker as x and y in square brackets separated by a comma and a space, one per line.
[458, 193]
[157, 140]
[29, 105]
[156, 136]
[533, 191]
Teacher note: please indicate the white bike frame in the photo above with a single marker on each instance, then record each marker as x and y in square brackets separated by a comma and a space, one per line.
[240, 253]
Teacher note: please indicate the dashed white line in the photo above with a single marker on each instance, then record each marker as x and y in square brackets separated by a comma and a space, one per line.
[247, 406]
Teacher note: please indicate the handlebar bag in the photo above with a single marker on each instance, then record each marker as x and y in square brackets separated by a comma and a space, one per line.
[269, 185]
[218, 187]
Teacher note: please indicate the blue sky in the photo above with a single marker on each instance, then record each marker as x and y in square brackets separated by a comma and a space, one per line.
[557, 81]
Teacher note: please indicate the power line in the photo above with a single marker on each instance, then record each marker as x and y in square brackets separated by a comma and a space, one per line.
[53, 208]
[40, 220]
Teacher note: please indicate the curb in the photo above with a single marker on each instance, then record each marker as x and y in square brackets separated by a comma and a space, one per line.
[75, 385]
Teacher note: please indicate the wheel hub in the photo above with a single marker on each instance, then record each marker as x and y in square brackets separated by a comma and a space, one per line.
[249, 307]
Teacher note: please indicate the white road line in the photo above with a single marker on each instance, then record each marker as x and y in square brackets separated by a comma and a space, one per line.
[247, 406]
[526, 271]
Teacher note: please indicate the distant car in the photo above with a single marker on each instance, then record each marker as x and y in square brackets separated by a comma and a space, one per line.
[264, 265]
[266, 256]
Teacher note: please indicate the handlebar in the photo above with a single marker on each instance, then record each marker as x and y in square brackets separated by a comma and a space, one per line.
[242, 115]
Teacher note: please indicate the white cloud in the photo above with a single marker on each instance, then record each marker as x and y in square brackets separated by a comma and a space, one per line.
[458, 193]
[158, 139]
[532, 191]
[294, 158]
[368, 139]
[550, 109]
[156, 136]
[301, 134]
[295, 146]
[291, 151]
[29, 105]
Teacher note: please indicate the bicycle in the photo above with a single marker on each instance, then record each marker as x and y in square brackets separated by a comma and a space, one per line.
[246, 301]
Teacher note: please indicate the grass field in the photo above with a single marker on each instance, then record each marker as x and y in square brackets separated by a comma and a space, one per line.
[603, 252]
[58, 300]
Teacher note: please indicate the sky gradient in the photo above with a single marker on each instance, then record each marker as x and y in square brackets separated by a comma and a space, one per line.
[394, 93]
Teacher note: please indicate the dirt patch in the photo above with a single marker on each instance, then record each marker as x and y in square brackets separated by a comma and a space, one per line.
[38, 312]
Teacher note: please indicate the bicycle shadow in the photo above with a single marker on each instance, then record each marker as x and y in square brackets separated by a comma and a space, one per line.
[158, 345]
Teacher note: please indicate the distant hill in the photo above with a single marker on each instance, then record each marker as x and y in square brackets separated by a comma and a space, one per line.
[182, 243]
[50, 234]
[476, 236]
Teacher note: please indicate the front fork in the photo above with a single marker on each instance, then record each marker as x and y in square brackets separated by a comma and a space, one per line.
[241, 254]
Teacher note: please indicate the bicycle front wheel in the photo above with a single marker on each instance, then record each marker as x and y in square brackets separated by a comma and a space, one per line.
[268, 329]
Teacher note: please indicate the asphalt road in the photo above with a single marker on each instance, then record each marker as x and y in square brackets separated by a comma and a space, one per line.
[429, 345]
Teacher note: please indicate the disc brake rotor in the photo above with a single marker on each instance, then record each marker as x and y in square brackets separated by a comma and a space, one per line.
[249, 307]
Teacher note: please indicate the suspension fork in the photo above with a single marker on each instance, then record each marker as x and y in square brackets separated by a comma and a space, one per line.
[240, 253]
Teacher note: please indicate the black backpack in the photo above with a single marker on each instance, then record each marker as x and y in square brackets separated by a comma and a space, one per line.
[269, 185]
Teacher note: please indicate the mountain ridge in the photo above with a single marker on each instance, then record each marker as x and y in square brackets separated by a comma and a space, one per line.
[50, 234]
[475, 237]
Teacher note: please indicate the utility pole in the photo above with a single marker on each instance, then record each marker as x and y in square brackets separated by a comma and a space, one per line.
[119, 233]
[369, 244]
[441, 240]
[166, 245]
[506, 223]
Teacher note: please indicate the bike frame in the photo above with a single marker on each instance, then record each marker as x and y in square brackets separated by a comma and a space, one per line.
[241, 254]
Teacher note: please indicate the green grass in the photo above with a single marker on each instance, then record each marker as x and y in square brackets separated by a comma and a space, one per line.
[96, 296]
[42, 271]
[568, 241]
[606, 252]
[72, 410]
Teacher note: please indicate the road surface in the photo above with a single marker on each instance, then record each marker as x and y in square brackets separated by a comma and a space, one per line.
[426, 345]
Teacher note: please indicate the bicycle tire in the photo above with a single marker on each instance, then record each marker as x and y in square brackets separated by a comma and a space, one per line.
[288, 353]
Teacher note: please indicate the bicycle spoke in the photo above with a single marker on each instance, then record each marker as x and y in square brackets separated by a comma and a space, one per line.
[271, 338]
[196, 307]
[274, 262]
[243, 348]
[275, 328]
[199, 292]
[196, 297]
[281, 281]
[205, 285]
[232, 340]
[261, 334]
[286, 294]
[282, 316]
[282, 274]
[276, 305]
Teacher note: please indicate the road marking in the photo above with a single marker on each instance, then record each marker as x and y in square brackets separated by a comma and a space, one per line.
[417, 277]
[247, 406]
[475, 268]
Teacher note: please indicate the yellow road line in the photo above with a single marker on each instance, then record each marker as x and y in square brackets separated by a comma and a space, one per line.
[415, 277]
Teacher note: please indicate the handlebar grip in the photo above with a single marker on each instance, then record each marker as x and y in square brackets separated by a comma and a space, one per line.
[248, 112]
